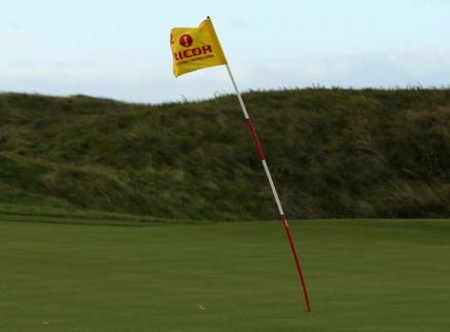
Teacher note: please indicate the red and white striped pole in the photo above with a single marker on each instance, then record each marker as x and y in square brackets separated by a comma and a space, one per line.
[274, 190]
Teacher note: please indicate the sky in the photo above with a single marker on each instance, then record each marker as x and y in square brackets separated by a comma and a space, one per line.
[120, 49]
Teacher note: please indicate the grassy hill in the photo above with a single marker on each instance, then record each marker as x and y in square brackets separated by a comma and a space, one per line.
[333, 153]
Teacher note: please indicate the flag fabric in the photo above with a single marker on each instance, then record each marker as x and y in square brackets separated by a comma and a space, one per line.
[195, 48]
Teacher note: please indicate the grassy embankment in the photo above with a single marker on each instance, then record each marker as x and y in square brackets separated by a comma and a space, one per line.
[333, 153]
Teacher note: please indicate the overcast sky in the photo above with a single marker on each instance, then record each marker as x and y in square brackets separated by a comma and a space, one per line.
[120, 49]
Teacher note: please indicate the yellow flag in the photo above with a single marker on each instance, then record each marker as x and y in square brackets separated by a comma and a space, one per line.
[195, 48]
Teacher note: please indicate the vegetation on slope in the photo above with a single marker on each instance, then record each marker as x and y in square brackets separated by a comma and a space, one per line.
[333, 153]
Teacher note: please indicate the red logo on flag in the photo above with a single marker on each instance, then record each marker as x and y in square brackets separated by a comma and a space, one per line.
[186, 40]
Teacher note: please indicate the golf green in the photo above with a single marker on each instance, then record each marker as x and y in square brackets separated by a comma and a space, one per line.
[362, 275]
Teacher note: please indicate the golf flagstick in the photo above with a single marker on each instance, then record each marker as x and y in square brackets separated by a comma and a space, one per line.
[272, 186]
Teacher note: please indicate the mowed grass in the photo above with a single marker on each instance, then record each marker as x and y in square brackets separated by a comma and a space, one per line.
[362, 275]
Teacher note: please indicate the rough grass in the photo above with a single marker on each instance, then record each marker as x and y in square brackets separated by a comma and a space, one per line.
[363, 275]
[333, 153]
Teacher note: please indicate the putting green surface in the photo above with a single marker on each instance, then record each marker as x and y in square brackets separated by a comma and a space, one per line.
[362, 275]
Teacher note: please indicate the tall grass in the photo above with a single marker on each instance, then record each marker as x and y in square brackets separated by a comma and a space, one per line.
[333, 153]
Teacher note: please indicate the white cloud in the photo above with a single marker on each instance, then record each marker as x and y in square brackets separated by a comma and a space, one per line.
[383, 69]
[155, 83]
